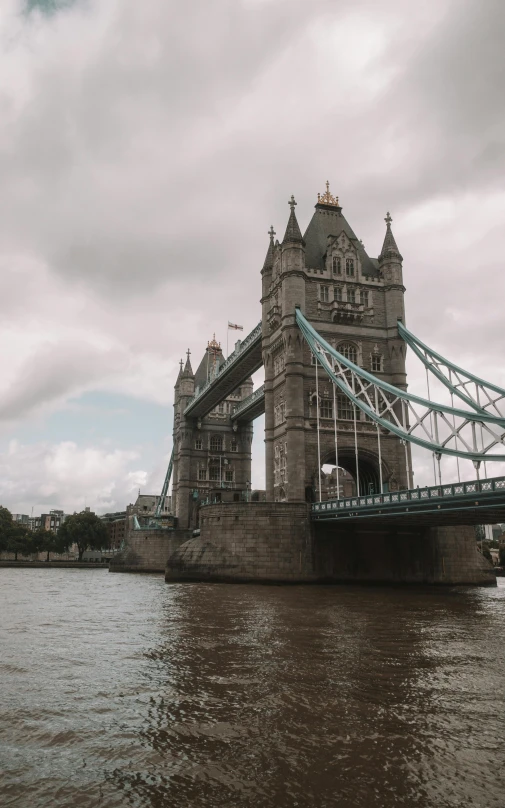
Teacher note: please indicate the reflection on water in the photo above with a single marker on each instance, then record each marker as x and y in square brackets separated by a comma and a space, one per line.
[120, 690]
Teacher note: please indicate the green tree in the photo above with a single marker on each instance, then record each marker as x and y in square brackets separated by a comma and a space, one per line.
[85, 530]
[5, 527]
[48, 542]
[19, 540]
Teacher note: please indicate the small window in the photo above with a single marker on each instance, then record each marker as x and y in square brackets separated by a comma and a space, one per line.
[351, 295]
[349, 267]
[345, 408]
[220, 408]
[326, 408]
[376, 363]
[202, 474]
[324, 294]
[337, 266]
[216, 443]
[234, 447]
[229, 475]
[337, 293]
[365, 297]
[198, 443]
[348, 350]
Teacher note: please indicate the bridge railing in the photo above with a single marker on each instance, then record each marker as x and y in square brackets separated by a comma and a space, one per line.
[247, 402]
[233, 357]
[415, 495]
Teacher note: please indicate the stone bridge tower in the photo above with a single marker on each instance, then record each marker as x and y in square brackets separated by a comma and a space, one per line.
[354, 301]
[212, 454]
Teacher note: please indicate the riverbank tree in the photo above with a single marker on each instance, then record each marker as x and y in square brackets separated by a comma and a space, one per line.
[85, 530]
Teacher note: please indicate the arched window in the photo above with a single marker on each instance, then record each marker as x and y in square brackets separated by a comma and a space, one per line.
[348, 350]
[337, 266]
[216, 443]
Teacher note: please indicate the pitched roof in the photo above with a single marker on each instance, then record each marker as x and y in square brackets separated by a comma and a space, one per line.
[213, 353]
[329, 221]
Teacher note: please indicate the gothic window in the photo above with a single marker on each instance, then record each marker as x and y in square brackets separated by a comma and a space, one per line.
[234, 447]
[324, 294]
[220, 407]
[198, 443]
[229, 475]
[345, 408]
[282, 408]
[202, 474]
[349, 267]
[326, 408]
[214, 473]
[337, 266]
[278, 363]
[337, 293]
[376, 363]
[365, 295]
[348, 350]
[216, 443]
[351, 295]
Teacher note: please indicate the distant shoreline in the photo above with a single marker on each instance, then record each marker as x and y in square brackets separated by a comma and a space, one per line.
[82, 565]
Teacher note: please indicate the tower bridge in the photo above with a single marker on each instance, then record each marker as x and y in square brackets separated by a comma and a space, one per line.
[332, 341]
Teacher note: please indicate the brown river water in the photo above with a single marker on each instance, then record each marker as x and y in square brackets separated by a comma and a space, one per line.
[120, 690]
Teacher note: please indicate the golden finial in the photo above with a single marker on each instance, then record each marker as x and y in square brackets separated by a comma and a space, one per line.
[327, 198]
[213, 345]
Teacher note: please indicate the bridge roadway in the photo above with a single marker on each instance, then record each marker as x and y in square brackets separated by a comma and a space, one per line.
[477, 502]
[241, 364]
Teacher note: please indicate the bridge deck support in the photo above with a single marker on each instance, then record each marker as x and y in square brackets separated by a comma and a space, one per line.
[275, 542]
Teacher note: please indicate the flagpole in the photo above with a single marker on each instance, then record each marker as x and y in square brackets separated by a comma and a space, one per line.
[227, 332]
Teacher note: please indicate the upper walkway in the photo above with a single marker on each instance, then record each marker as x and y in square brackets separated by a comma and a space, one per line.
[241, 364]
[251, 407]
[476, 502]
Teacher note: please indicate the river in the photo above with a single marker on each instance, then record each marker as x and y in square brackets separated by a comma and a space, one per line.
[120, 690]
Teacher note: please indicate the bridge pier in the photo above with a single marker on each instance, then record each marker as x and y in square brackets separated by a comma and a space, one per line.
[275, 542]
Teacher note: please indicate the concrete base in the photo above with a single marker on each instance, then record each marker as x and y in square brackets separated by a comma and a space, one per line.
[148, 550]
[275, 542]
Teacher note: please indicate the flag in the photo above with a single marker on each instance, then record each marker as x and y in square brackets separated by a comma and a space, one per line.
[235, 326]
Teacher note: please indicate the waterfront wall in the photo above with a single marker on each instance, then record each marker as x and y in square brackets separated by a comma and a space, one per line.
[148, 550]
[275, 542]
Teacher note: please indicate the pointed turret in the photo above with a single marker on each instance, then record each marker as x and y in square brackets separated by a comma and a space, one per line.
[188, 370]
[293, 232]
[179, 375]
[390, 251]
[269, 258]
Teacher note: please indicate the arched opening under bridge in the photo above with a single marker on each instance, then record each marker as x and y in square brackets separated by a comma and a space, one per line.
[369, 475]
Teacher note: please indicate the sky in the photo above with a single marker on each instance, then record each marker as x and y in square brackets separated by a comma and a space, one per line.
[145, 150]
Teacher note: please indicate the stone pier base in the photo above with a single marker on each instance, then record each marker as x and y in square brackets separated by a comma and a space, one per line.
[275, 542]
[148, 550]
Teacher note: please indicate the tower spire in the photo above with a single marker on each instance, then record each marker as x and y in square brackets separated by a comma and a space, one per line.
[390, 251]
[188, 370]
[293, 232]
[269, 258]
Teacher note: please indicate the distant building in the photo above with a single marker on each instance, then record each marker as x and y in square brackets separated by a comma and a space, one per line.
[48, 521]
[146, 505]
[21, 518]
[116, 528]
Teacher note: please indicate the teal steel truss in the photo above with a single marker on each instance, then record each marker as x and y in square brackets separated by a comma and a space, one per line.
[476, 434]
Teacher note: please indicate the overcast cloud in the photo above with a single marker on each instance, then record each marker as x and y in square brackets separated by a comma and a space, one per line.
[145, 149]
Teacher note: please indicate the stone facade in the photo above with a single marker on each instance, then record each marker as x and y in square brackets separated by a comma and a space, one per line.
[212, 457]
[275, 542]
[354, 302]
